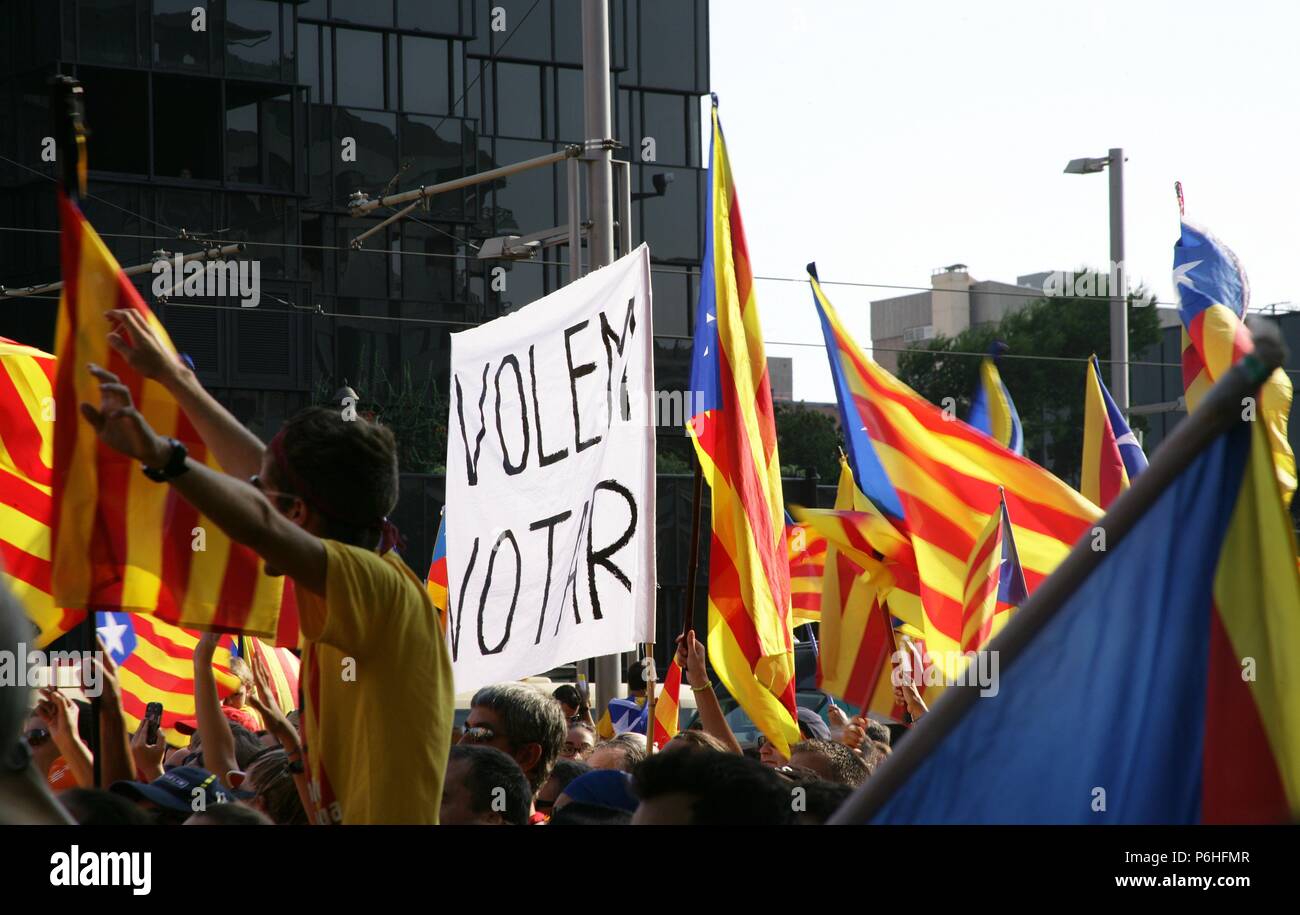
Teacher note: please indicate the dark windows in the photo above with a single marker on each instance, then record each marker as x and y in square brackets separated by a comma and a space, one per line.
[309, 60]
[259, 136]
[668, 30]
[361, 68]
[426, 83]
[665, 121]
[107, 31]
[121, 132]
[253, 38]
[525, 201]
[175, 42]
[374, 136]
[435, 150]
[519, 100]
[568, 105]
[364, 12]
[187, 119]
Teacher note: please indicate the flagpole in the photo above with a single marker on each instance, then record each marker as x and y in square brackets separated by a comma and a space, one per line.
[1219, 411]
[67, 112]
[650, 679]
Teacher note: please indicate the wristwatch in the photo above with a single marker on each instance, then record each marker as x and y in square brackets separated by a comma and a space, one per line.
[174, 467]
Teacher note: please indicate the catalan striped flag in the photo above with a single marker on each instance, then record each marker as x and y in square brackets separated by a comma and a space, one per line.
[995, 582]
[437, 579]
[281, 665]
[1112, 457]
[856, 641]
[155, 663]
[1213, 299]
[1201, 598]
[938, 479]
[807, 552]
[751, 638]
[991, 408]
[667, 706]
[26, 485]
[122, 542]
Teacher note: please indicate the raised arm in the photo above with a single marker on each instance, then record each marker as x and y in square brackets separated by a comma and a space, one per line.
[237, 450]
[238, 508]
[690, 657]
[214, 733]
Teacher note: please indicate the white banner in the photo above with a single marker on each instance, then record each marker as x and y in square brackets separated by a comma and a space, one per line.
[550, 480]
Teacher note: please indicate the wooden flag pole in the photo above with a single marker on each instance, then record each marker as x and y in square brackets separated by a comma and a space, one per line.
[1220, 410]
[650, 677]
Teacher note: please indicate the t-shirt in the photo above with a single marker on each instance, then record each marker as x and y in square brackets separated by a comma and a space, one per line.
[377, 687]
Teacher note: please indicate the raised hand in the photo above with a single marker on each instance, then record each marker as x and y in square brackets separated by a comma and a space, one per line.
[132, 337]
[120, 425]
[690, 657]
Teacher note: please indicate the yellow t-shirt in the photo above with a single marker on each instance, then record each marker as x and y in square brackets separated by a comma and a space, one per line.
[378, 695]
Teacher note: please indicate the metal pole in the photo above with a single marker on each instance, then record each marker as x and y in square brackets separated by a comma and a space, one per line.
[1119, 295]
[575, 220]
[600, 201]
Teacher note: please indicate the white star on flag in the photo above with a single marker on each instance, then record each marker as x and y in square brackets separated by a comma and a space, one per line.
[111, 632]
[1182, 279]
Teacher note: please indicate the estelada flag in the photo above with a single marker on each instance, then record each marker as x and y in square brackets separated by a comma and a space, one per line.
[667, 705]
[121, 541]
[1178, 650]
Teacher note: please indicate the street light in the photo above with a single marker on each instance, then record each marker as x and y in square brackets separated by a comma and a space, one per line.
[1119, 296]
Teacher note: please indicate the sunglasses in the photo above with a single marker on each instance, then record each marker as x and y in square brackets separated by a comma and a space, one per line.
[478, 735]
[256, 482]
[36, 737]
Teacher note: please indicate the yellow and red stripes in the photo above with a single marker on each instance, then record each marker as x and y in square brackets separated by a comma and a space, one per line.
[667, 706]
[122, 542]
[946, 476]
[750, 639]
[26, 485]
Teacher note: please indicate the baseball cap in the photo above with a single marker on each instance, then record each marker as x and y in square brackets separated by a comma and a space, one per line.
[174, 790]
[603, 788]
[812, 726]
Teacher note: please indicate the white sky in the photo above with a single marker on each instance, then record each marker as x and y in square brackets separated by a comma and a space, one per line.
[886, 139]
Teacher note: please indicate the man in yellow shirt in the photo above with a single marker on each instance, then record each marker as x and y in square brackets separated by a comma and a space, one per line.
[376, 674]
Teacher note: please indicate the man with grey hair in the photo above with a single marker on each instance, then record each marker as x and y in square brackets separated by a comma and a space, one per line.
[521, 722]
[623, 752]
[24, 795]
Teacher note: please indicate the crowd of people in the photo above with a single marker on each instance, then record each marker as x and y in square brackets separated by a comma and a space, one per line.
[380, 743]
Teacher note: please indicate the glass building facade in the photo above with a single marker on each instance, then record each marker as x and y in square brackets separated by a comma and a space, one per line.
[237, 129]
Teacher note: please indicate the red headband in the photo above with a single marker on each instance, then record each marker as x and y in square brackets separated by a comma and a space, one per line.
[389, 537]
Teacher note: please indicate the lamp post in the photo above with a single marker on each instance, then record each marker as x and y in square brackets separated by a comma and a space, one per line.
[1118, 273]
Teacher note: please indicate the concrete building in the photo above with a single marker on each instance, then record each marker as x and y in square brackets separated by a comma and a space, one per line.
[954, 302]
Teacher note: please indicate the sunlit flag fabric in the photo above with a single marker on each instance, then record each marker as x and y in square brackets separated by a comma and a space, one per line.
[807, 553]
[155, 663]
[437, 579]
[281, 666]
[943, 477]
[121, 541]
[667, 706]
[26, 485]
[995, 582]
[855, 641]
[991, 408]
[628, 716]
[1112, 457]
[1136, 686]
[751, 638]
[1213, 299]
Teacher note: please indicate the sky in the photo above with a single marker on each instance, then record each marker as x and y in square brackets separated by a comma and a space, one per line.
[884, 140]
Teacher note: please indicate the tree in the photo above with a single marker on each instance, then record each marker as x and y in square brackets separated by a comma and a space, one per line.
[808, 441]
[1048, 394]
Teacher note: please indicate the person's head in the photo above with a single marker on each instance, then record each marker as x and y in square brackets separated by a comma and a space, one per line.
[769, 754]
[831, 760]
[607, 788]
[693, 787]
[878, 731]
[239, 667]
[565, 771]
[274, 792]
[579, 741]
[635, 679]
[812, 726]
[91, 807]
[521, 722]
[174, 795]
[820, 799]
[334, 477]
[569, 697]
[37, 734]
[484, 787]
[695, 739]
[576, 814]
[623, 752]
[231, 814]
